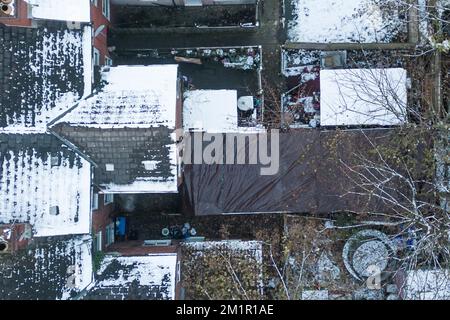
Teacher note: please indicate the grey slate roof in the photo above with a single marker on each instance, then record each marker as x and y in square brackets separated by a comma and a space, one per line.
[42, 144]
[41, 271]
[125, 148]
[130, 119]
[42, 72]
[32, 168]
[134, 278]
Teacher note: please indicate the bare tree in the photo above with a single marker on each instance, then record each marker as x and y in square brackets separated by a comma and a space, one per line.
[406, 185]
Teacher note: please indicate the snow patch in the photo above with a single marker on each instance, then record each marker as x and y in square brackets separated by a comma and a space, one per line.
[427, 285]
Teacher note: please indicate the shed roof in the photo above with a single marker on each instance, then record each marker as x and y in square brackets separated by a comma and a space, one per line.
[213, 111]
[363, 97]
[311, 177]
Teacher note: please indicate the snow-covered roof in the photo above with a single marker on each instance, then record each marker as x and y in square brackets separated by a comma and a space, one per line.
[63, 10]
[337, 21]
[151, 277]
[48, 72]
[128, 123]
[213, 111]
[50, 269]
[427, 285]
[132, 96]
[38, 174]
[363, 97]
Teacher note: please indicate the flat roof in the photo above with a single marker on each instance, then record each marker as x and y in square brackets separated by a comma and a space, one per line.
[213, 111]
[62, 10]
[363, 97]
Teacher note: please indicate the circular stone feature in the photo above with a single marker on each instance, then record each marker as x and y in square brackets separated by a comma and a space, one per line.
[3, 245]
[370, 253]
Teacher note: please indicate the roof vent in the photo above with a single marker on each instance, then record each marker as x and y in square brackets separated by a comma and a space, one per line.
[109, 167]
[55, 161]
[6, 9]
[73, 25]
[150, 165]
[54, 210]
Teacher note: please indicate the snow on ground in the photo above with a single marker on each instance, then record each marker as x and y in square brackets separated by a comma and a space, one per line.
[294, 62]
[427, 285]
[148, 271]
[343, 21]
[363, 97]
[66, 10]
[213, 111]
[133, 96]
[30, 186]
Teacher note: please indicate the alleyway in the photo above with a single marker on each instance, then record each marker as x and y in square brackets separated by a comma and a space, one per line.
[269, 35]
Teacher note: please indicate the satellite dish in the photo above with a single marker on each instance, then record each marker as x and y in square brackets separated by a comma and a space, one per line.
[245, 103]
[99, 30]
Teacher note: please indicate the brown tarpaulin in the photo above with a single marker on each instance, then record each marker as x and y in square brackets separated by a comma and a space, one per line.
[311, 178]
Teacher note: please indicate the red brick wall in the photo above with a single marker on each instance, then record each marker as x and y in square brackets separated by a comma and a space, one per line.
[21, 18]
[102, 217]
[98, 19]
[179, 118]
